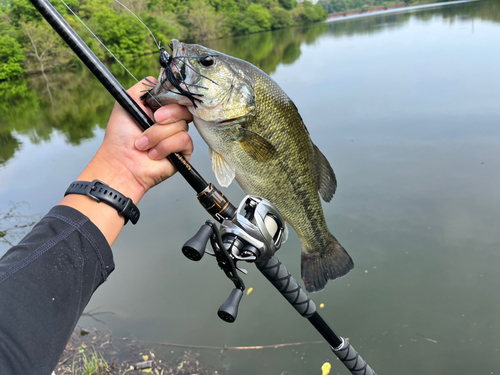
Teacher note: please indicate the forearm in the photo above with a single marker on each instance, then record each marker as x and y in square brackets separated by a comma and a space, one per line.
[45, 283]
[47, 280]
[103, 216]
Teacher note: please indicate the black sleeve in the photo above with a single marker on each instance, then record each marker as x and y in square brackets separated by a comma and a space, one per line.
[45, 283]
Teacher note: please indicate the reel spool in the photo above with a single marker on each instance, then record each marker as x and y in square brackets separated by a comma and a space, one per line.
[255, 233]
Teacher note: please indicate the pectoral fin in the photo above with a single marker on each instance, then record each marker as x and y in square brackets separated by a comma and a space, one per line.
[257, 147]
[327, 183]
[223, 171]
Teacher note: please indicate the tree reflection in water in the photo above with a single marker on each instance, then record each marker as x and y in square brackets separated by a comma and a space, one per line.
[80, 103]
[13, 224]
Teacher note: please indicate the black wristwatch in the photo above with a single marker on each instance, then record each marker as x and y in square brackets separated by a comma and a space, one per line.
[101, 192]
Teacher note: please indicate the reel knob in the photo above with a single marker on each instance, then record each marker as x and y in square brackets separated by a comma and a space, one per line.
[229, 309]
[194, 248]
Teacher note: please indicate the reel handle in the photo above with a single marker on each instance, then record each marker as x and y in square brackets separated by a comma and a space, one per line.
[194, 248]
[229, 309]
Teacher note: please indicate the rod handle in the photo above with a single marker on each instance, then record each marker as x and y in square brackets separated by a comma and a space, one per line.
[85, 54]
[279, 276]
[352, 360]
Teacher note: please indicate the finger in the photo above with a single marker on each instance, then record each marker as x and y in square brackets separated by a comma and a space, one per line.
[172, 113]
[157, 133]
[180, 142]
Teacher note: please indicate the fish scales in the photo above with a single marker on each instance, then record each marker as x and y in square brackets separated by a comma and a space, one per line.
[278, 121]
[257, 136]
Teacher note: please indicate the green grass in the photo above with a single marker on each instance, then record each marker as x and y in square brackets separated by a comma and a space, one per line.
[93, 364]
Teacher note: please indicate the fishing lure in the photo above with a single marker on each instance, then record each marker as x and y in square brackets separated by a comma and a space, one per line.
[174, 71]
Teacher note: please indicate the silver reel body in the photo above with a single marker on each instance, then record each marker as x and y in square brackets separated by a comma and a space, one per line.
[258, 223]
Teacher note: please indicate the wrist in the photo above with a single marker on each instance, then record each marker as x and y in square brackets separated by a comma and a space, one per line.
[114, 175]
[103, 193]
[105, 217]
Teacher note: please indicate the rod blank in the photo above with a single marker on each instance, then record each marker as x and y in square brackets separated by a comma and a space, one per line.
[59, 24]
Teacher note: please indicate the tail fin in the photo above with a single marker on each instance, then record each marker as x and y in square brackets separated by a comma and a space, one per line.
[330, 263]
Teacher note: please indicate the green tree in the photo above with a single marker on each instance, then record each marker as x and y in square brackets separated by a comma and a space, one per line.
[224, 6]
[11, 57]
[280, 18]
[314, 13]
[164, 27]
[257, 18]
[202, 22]
[306, 12]
[265, 3]
[118, 30]
[44, 48]
[230, 9]
[11, 51]
[23, 9]
[288, 4]
[161, 6]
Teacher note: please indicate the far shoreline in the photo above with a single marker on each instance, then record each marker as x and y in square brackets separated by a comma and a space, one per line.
[381, 10]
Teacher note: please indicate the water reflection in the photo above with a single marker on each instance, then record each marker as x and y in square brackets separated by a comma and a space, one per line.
[72, 103]
[80, 103]
[14, 224]
[8, 146]
[408, 117]
[487, 10]
[268, 50]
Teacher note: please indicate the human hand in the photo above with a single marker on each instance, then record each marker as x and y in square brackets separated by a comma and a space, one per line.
[138, 159]
[132, 161]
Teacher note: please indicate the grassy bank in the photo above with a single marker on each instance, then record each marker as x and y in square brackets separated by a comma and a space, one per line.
[99, 353]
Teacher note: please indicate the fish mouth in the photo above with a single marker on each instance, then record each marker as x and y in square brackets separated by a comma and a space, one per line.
[179, 78]
[173, 75]
[173, 81]
[176, 65]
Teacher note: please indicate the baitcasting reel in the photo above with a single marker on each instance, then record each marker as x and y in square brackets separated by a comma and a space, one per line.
[254, 234]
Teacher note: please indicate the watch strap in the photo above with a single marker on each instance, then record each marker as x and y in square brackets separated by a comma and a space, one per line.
[100, 192]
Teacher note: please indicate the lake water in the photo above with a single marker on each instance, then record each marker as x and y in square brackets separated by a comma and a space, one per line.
[406, 107]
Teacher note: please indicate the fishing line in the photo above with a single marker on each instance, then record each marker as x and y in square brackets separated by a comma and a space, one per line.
[111, 53]
[102, 44]
[158, 44]
[196, 143]
[143, 24]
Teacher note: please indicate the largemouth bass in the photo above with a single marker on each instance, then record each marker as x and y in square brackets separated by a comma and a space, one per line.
[256, 136]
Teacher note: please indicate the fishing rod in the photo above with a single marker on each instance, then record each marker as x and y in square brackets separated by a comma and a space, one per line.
[251, 233]
[216, 204]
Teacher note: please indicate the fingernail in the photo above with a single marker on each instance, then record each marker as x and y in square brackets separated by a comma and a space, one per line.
[163, 115]
[142, 143]
[153, 154]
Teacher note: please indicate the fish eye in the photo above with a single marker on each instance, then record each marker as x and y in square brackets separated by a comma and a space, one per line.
[207, 61]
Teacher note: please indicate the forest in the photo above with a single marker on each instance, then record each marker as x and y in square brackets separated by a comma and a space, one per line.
[70, 101]
[28, 44]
